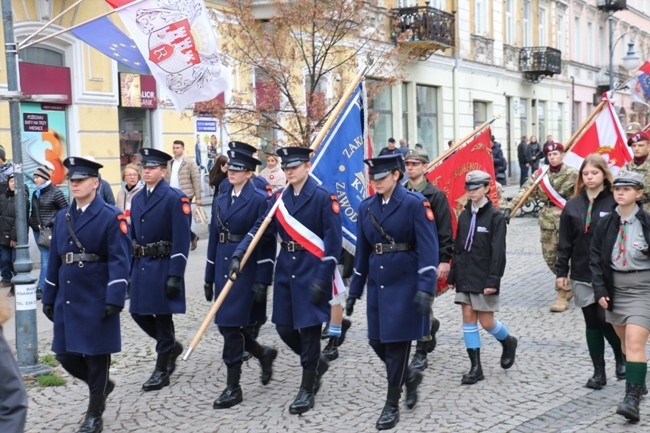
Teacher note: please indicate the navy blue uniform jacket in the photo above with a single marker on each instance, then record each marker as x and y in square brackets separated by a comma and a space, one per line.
[394, 278]
[79, 294]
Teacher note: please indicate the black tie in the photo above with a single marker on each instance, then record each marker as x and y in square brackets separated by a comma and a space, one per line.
[232, 201]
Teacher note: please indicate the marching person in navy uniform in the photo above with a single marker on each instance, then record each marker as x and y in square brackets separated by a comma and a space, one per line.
[85, 288]
[396, 256]
[160, 228]
[234, 213]
[260, 182]
[308, 215]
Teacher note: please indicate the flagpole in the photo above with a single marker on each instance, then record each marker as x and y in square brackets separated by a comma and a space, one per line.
[456, 146]
[23, 45]
[576, 135]
[269, 216]
[47, 24]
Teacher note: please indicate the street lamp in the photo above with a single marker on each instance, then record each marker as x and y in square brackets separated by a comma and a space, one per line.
[25, 290]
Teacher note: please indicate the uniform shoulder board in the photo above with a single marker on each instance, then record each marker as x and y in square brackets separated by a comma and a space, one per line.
[185, 199]
[426, 204]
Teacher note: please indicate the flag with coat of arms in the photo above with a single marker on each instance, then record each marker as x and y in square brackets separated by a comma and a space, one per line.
[180, 47]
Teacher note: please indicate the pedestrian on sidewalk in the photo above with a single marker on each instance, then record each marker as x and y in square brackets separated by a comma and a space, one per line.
[8, 234]
[396, 256]
[580, 217]
[87, 276]
[523, 156]
[133, 184]
[13, 397]
[477, 268]
[620, 265]
[309, 226]
[235, 213]
[160, 228]
[553, 193]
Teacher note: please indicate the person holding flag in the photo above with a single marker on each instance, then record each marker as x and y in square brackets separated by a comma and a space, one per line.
[307, 219]
[416, 162]
[640, 144]
[397, 257]
[553, 191]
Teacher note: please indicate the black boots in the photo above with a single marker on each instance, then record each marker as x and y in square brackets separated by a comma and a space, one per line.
[390, 414]
[629, 408]
[266, 361]
[323, 366]
[160, 376]
[413, 380]
[419, 361]
[305, 398]
[509, 351]
[435, 326]
[232, 395]
[331, 351]
[175, 353]
[599, 379]
[475, 373]
[93, 422]
[620, 364]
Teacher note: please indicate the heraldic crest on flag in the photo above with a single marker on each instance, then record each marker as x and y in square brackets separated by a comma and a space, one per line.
[180, 45]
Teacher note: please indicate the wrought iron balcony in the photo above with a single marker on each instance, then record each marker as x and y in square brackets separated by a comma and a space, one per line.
[423, 29]
[539, 62]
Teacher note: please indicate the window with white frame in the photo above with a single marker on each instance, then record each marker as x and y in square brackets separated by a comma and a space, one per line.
[590, 45]
[427, 117]
[577, 39]
[543, 27]
[527, 19]
[481, 17]
[511, 20]
[562, 32]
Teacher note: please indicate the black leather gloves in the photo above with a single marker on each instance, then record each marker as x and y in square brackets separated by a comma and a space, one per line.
[209, 291]
[174, 285]
[506, 215]
[48, 310]
[110, 310]
[423, 302]
[319, 291]
[349, 305]
[259, 292]
[233, 269]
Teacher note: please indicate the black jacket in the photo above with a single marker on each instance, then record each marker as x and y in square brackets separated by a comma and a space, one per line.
[600, 255]
[500, 163]
[523, 155]
[51, 200]
[442, 214]
[8, 216]
[483, 266]
[574, 243]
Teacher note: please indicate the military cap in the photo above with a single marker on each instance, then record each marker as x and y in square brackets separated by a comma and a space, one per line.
[81, 168]
[632, 128]
[639, 136]
[628, 178]
[153, 157]
[241, 161]
[242, 147]
[476, 179]
[418, 154]
[382, 166]
[554, 145]
[293, 156]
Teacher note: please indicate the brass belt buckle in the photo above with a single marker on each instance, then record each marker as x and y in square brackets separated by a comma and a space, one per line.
[379, 249]
[69, 258]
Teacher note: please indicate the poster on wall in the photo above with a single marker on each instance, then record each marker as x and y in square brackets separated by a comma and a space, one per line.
[138, 91]
[44, 137]
[207, 147]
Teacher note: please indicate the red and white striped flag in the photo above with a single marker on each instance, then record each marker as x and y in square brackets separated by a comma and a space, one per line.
[180, 47]
[604, 136]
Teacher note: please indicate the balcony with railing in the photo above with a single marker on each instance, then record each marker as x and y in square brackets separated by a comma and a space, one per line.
[423, 30]
[539, 62]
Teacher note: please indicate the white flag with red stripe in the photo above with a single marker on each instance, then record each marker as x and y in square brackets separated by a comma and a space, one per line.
[180, 47]
[604, 136]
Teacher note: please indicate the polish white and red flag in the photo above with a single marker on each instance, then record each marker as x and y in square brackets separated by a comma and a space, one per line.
[180, 47]
[604, 136]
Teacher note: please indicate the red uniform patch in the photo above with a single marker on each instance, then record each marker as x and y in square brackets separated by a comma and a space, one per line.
[186, 208]
[430, 214]
[428, 211]
[123, 227]
[336, 208]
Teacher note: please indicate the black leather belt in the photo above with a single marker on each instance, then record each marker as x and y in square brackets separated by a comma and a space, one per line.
[291, 246]
[81, 258]
[392, 248]
[154, 250]
[225, 237]
[636, 271]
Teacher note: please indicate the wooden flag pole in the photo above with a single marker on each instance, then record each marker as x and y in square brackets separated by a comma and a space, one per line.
[47, 24]
[269, 217]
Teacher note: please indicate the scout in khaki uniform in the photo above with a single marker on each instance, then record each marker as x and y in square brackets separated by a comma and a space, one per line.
[640, 144]
[562, 179]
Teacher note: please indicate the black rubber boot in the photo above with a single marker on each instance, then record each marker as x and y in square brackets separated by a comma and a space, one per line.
[390, 414]
[173, 355]
[599, 379]
[160, 376]
[331, 351]
[413, 380]
[232, 395]
[325, 333]
[93, 422]
[435, 326]
[475, 372]
[509, 352]
[620, 364]
[419, 361]
[305, 398]
[345, 325]
[629, 408]
[323, 366]
[266, 361]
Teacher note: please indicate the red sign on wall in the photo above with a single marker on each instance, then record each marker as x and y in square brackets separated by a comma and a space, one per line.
[138, 91]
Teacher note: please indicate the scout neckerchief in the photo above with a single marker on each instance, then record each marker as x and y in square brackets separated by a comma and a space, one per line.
[308, 240]
[588, 219]
[548, 189]
[620, 242]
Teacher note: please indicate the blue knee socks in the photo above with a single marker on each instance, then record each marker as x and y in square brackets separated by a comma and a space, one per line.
[335, 330]
[500, 332]
[472, 337]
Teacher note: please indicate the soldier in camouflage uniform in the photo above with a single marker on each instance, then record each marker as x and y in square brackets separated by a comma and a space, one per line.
[640, 143]
[563, 179]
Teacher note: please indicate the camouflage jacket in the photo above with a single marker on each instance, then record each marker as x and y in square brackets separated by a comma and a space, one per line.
[644, 169]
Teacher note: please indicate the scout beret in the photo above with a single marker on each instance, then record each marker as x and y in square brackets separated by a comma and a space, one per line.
[554, 145]
[639, 136]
